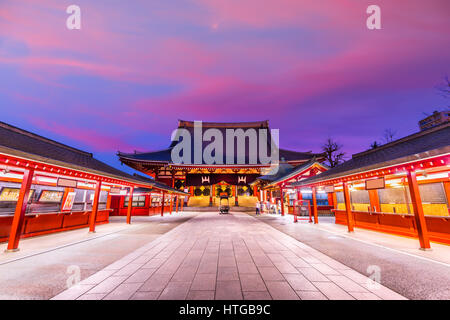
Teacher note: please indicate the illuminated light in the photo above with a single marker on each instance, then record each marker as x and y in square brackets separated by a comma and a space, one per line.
[17, 163]
[431, 163]
[7, 160]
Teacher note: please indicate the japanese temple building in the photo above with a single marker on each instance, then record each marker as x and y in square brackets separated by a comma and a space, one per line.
[205, 182]
[47, 186]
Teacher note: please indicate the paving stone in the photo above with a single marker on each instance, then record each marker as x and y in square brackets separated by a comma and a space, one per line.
[332, 291]
[175, 291]
[281, 290]
[259, 295]
[204, 282]
[347, 284]
[108, 284]
[123, 292]
[311, 295]
[200, 295]
[252, 282]
[270, 274]
[228, 290]
[227, 273]
[313, 274]
[141, 275]
[73, 292]
[299, 282]
[156, 283]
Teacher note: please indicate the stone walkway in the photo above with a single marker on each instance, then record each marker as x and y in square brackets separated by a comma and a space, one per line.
[232, 257]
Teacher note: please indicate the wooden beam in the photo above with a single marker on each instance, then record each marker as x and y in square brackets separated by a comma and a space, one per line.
[21, 208]
[130, 205]
[282, 201]
[374, 201]
[348, 207]
[418, 210]
[93, 217]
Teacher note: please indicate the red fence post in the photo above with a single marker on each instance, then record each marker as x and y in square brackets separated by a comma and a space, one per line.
[130, 205]
[348, 207]
[162, 204]
[93, 217]
[419, 216]
[19, 214]
[314, 201]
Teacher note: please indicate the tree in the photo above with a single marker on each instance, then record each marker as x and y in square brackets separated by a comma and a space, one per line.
[444, 88]
[374, 145]
[333, 152]
[389, 135]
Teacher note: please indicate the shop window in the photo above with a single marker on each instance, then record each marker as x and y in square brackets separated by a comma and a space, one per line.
[138, 201]
[432, 193]
[359, 196]
[394, 195]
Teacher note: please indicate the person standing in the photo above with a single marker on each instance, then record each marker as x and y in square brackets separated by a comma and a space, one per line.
[258, 208]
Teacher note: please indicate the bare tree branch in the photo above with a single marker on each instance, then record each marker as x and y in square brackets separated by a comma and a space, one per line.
[389, 135]
[333, 152]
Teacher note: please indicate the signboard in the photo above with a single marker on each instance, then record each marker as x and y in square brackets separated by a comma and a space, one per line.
[51, 196]
[328, 189]
[68, 204]
[375, 184]
[66, 183]
[12, 194]
[114, 190]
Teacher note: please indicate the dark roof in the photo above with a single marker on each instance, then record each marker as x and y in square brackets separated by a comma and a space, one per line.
[421, 145]
[157, 184]
[287, 171]
[164, 156]
[21, 143]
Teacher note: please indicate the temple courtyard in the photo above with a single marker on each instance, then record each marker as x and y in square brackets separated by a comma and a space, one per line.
[204, 255]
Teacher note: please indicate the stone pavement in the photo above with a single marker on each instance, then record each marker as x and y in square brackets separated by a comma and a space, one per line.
[233, 256]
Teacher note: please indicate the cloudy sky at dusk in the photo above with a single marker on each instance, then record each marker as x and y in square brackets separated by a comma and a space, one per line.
[310, 67]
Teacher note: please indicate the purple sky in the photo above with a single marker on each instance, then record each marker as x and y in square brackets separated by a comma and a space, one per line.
[310, 67]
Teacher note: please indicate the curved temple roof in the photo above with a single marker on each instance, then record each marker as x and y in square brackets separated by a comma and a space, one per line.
[164, 156]
[24, 144]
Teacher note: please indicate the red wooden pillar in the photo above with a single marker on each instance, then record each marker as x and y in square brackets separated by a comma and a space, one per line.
[176, 204]
[191, 190]
[108, 201]
[348, 207]
[162, 203]
[182, 204]
[334, 200]
[418, 211]
[447, 193]
[314, 201]
[299, 195]
[21, 208]
[211, 191]
[171, 204]
[93, 217]
[282, 201]
[255, 192]
[130, 205]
